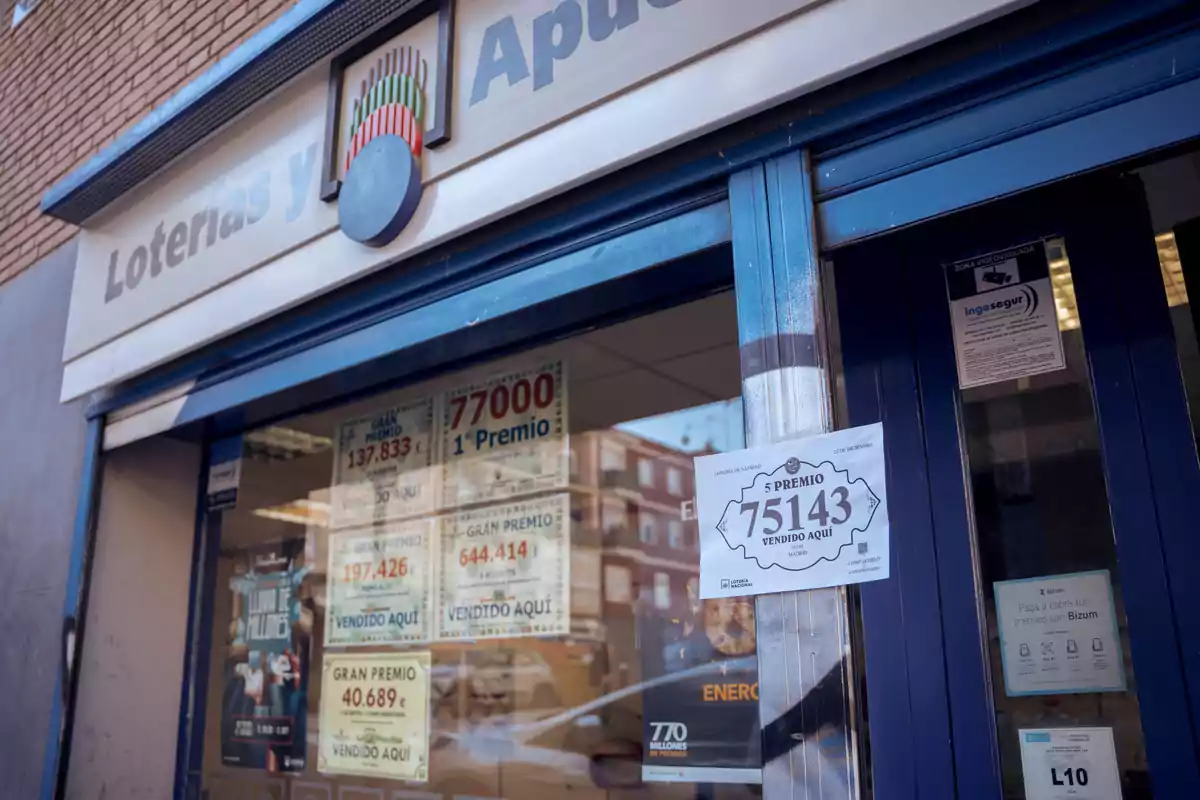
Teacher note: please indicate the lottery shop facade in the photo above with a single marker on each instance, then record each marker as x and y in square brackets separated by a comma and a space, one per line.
[403, 324]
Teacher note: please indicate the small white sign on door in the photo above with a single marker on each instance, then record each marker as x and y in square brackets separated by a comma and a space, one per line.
[802, 514]
[1069, 764]
[1003, 315]
[224, 473]
[1058, 635]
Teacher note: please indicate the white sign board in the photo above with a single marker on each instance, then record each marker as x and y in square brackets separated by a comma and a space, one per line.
[1058, 635]
[239, 200]
[1070, 764]
[540, 87]
[224, 473]
[1004, 318]
[802, 514]
[506, 570]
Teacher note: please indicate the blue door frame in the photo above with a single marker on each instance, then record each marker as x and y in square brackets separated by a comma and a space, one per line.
[926, 664]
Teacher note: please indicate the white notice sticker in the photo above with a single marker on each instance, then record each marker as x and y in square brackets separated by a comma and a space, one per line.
[1069, 764]
[802, 514]
[1058, 635]
[1003, 314]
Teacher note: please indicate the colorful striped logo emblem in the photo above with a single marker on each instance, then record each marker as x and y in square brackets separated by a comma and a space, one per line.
[391, 100]
[385, 130]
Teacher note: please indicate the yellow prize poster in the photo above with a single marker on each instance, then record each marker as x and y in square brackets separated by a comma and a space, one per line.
[375, 716]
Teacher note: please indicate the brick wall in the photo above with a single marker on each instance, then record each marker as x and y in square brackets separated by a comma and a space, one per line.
[76, 73]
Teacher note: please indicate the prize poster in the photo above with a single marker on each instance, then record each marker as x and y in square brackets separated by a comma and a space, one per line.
[380, 585]
[801, 514]
[264, 708]
[375, 719]
[505, 570]
[505, 437]
[701, 717]
[383, 465]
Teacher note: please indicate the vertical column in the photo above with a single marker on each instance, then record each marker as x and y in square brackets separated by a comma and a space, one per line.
[803, 637]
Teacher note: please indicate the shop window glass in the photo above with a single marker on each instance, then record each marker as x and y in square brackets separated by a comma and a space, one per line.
[421, 594]
[1052, 592]
[1173, 195]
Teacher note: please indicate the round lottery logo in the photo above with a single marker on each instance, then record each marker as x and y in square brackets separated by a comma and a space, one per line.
[382, 185]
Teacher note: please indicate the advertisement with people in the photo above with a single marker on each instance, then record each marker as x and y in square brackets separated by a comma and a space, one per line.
[265, 704]
[703, 727]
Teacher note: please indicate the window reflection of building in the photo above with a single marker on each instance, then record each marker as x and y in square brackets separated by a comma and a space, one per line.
[675, 534]
[647, 527]
[645, 473]
[675, 482]
[628, 493]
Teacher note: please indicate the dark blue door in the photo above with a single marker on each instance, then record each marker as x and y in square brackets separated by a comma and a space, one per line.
[1035, 640]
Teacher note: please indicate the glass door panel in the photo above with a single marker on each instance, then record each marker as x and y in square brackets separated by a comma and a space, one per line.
[1057, 633]
[1035, 531]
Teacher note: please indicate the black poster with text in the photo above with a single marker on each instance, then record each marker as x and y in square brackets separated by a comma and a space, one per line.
[700, 704]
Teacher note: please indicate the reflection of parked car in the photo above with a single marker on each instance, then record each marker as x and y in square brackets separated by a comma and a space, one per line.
[502, 682]
[586, 751]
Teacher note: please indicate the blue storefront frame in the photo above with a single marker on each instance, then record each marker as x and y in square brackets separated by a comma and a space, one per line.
[900, 368]
[986, 137]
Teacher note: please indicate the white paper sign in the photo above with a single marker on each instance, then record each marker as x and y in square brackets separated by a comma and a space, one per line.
[383, 466]
[380, 585]
[802, 514]
[505, 570]
[224, 473]
[505, 436]
[1058, 635]
[1004, 318]
[1070, 764]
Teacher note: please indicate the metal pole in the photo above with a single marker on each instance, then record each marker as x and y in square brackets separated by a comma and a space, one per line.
[805, 683]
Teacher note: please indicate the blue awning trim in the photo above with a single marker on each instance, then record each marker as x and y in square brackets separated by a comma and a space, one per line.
[306, 34]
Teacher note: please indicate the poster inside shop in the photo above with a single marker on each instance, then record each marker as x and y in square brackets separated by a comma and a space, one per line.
[375, 716]
[700, 703]
[1004, 318]
[1069, 764]
[505, 570]
[380, 589]
[264, 709]
[383, 466]
[1059, 635]
[506, 436]
[802, 514]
